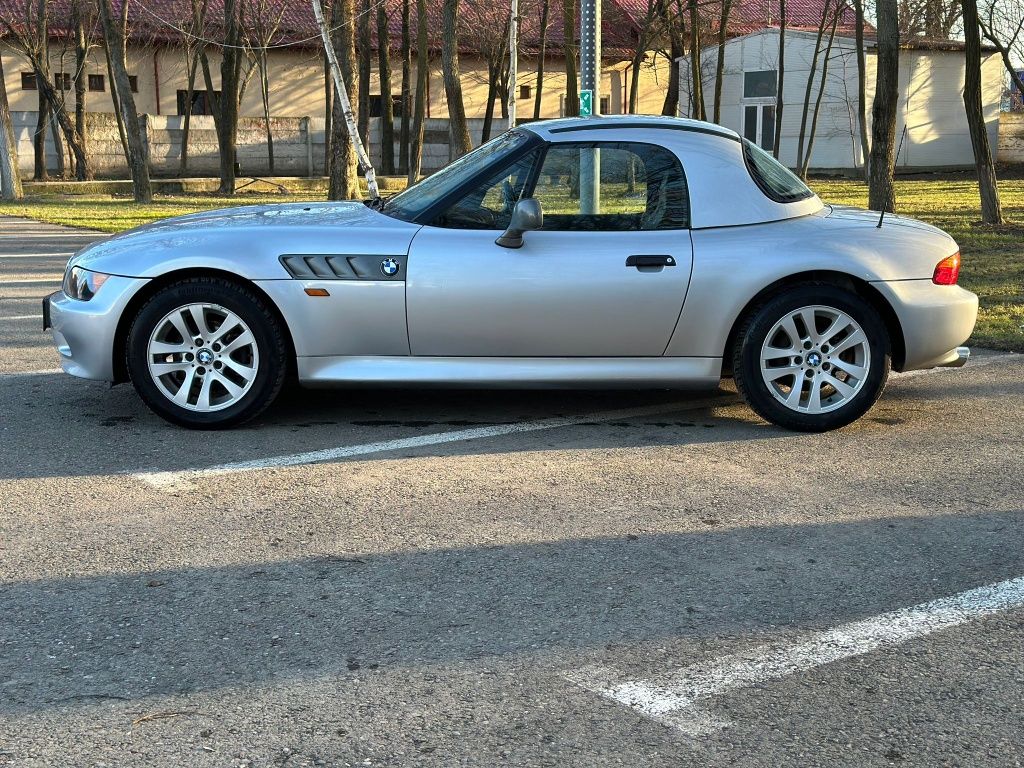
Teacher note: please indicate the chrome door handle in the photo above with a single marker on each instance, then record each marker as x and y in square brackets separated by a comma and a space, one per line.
[650, 261]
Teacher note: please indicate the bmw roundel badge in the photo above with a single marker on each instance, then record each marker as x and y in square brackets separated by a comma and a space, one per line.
[389, 267]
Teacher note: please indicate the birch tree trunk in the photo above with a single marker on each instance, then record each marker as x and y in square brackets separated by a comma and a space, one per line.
[10, 178]
[881, 192]
[991, 208]
[114, 37]
[346, 148]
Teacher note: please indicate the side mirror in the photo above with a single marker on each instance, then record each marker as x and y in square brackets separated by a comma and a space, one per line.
[526, 216]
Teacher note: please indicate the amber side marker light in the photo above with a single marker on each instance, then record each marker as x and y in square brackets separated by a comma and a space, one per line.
[947, 271]
[317, 292]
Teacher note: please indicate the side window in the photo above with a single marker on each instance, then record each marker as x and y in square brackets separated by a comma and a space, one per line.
[490, 202]
[639, 187]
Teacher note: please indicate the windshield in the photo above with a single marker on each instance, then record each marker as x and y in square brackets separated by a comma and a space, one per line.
[419, 197]
[775, 180]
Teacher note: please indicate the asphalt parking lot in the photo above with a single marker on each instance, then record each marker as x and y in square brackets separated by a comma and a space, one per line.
[439, 578]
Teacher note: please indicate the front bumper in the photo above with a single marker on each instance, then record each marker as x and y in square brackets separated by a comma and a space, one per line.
[84, 331]
[936, 320]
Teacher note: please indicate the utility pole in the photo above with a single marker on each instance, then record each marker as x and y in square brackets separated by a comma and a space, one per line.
[346, 105]
[513, 63]
[590, 96]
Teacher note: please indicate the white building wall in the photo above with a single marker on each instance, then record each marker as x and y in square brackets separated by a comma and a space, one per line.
[931, 98]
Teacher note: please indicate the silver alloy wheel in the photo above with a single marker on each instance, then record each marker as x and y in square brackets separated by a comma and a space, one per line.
[203, 357]
[815, 359]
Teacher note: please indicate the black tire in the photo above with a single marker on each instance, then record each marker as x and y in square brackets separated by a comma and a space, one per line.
[251, 309]
[760, 322]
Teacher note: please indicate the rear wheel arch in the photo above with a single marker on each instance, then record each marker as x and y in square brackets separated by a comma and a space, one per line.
[157, 284]
[855, 285]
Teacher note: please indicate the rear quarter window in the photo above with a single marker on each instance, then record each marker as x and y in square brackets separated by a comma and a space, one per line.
[773, 178]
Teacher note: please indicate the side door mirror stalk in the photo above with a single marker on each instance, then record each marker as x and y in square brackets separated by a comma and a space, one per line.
[526, 216]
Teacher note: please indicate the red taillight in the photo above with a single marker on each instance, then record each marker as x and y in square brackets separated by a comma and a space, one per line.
[947, 271]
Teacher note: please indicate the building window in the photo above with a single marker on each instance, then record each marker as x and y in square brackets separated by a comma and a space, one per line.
[759, 125]
[97, 83]
[201, 103]
[133, 82]
[760, 84]
[606, 105]
[525, 91]
[28, 81]
[62, 80]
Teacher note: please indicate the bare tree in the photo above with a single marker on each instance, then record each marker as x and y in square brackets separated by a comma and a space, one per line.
[192, 45]
[804, 158]
[991, 209]
[457, 126]
[1002, 24]
[484, 26]
[387, 107]
[231, 90]
[403, 134]
[572, 51]
[10, 177]
[114, 37]
[541, 57]
[862, 77]
[82, 20]
[881, 190]
[344, 180]
[779, 103]
[723, 31]
[265, 18]
[696, 70]
[29, 35]
[363, 55]
[934, 19]
[647, 30]
[422, 83]
[674, 28]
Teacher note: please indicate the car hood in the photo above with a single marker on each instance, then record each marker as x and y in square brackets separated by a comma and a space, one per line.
[248, 240]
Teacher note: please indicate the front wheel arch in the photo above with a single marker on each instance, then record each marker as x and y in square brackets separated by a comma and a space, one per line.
[862, 288]
[154, 286]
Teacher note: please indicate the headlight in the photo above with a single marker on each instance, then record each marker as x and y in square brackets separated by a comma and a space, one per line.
[82, 284]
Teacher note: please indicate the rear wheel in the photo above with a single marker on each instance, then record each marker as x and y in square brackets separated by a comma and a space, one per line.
[206, 353]
[813, 359]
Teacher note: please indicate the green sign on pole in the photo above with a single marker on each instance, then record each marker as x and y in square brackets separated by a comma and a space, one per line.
[586, 103]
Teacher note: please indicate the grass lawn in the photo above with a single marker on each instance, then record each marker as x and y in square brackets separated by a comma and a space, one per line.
[993, 257]
[993, 265]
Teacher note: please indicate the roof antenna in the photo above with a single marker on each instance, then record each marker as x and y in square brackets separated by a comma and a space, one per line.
[896, 163]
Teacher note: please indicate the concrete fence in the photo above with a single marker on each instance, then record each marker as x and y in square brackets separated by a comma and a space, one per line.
[299, 145]
[1011, 137]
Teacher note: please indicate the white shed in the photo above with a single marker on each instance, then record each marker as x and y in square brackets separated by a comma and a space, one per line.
[931, 97]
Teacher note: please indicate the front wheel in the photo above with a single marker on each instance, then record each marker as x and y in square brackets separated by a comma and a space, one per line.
[206, 353]
[812, 359]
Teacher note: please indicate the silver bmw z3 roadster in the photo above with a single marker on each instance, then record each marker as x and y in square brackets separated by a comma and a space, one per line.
[619, 252]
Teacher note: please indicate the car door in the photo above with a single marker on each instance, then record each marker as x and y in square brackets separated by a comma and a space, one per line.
[606, 276]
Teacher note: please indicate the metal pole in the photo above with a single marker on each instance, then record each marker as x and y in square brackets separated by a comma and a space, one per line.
[590, 81]
[513, 63]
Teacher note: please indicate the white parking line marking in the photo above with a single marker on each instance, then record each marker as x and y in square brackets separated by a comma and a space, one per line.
[23, 317]
[34, 281]
[57, 254]
[184, 478]
[674, 698]
[20, 374]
